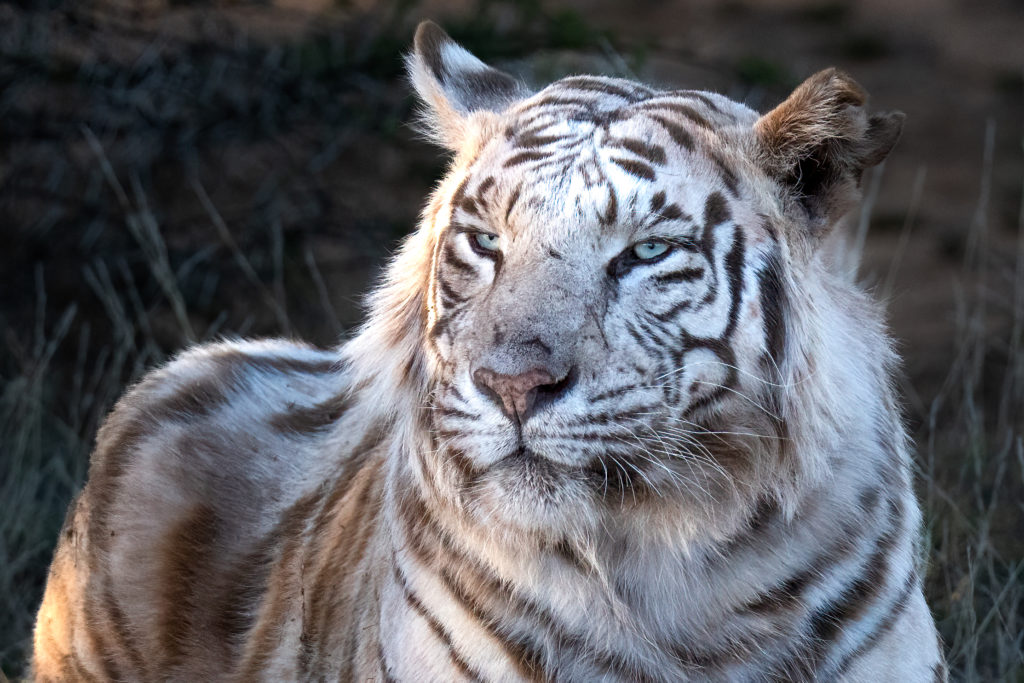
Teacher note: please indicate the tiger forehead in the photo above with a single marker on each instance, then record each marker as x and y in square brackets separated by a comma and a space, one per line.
[486, 203]
[592, 145]
[600, 101]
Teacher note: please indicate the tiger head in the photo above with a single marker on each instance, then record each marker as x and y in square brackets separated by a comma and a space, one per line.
[606, 310]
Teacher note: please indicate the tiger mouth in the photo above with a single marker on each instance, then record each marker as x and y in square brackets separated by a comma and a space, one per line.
[524, 457]
[609, 478]
[535, 471]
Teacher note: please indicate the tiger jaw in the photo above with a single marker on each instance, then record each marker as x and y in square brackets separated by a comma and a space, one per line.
[528, 492]
[533, 477]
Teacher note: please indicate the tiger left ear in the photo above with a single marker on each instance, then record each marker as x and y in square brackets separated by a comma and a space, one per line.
[453, 84]
[819, 141]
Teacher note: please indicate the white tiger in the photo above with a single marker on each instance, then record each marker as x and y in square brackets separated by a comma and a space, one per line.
[613, 417]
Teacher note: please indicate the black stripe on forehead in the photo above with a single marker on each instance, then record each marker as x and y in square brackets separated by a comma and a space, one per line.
[474, 202]
[631, 92]
[655, 154]
[697, 95]
[716, 211]
[676, 131]
[486, 185]
[635, 168]
[728, 175]
[680, 109]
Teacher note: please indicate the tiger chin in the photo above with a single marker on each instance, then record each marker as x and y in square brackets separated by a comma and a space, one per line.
[617, 413]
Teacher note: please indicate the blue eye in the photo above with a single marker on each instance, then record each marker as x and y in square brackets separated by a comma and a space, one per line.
[486, 241]
[645, 251]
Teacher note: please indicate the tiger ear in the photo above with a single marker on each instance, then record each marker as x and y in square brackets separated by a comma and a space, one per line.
[818, 143]
[453, 84]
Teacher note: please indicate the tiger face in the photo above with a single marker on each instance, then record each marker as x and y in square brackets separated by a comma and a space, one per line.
[603, 321]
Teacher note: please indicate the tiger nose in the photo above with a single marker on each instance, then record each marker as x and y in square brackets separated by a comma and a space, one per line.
[518, 394]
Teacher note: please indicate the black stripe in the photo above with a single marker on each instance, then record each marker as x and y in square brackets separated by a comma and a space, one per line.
[671, 212]
[899, 605]
[631, 93]
[728, 175]
[186, 555]
[642, 341]
[449, 295]
[452, 259]
[470, 206]
[310, 419]
[716, 211]
[612, 393]
[679, 135]
[487, 184]
[558, 101]
[279, 363]
[611, 210]
[522, 649]
[773, 306]
[764, 514]
[512, 201]
[697, 95]
[526, 157]
[527, 657]
[827, 623]
[788, 594]
[439, 630]
[527, 141]
[675, 310]
[450, 411]
[109, 657]
[199, 397]
[609, 417]
[652, 153]
[678, 108]
[121, 629]
[734, 268]
[462, 462]
[681, 275]
[634, 168]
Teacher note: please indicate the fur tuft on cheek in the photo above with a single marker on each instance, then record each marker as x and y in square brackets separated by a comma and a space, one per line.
[388, 351]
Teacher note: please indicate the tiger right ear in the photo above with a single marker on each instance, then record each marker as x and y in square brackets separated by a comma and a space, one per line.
[819, 141]
[453, 84]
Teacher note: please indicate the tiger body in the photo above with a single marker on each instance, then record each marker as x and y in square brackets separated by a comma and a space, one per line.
[614, 416]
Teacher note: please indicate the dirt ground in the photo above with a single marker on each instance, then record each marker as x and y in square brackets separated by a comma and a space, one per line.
[174, 170]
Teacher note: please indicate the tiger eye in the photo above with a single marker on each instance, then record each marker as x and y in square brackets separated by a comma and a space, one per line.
[646, 251]
[487, 241]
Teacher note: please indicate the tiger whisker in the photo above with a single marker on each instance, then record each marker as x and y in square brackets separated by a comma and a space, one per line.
[703, 455]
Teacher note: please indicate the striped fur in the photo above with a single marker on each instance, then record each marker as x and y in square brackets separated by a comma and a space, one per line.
[710, 482]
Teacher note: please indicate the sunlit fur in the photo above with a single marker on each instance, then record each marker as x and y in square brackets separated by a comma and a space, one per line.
[719, 489]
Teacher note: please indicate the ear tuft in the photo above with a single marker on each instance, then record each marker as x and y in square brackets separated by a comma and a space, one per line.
[453, 84]
[820, 140]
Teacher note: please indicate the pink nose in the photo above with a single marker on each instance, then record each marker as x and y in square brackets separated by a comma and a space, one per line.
[517, 393]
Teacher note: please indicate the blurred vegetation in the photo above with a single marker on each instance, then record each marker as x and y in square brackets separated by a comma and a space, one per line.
[174, 172]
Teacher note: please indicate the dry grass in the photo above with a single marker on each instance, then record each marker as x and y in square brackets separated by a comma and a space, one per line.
[165, 185]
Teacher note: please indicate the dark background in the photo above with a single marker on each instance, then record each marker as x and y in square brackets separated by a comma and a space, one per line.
[172, 171]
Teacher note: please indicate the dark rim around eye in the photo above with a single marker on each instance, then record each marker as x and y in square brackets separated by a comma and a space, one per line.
[475, 246]
[627, 260]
